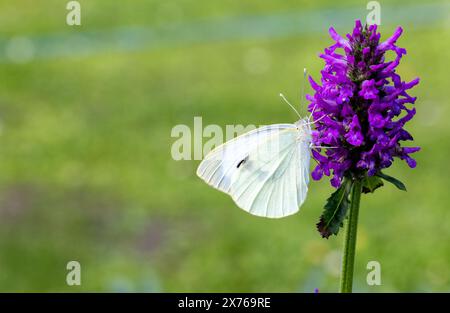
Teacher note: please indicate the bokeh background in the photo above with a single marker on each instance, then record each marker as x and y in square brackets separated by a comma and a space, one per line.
[86, 173]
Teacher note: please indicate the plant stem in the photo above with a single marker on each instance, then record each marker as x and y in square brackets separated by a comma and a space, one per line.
[348, 257]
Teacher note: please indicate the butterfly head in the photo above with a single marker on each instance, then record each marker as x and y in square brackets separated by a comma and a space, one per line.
[304, 127]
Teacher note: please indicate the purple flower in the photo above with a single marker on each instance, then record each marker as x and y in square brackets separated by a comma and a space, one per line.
[354, 135]
[360, 106]
[368, 89]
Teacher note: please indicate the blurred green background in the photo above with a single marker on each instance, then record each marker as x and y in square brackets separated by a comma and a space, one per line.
[86, 172]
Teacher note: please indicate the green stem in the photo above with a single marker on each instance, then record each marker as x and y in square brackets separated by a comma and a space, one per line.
[348, 257]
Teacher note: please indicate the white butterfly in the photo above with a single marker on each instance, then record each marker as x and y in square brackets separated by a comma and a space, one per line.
[265, 171]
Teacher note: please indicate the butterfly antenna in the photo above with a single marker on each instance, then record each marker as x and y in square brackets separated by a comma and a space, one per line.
[312, 112]
[302, 96]
[284, 98]
[314, 122]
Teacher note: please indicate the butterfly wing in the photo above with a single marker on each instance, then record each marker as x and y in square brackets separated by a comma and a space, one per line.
[274, 181]
[265, 171]
[221, 164]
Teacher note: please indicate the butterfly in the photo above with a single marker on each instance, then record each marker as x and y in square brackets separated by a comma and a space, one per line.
[265, 171]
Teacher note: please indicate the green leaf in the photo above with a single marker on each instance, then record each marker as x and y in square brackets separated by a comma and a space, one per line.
[335, 210]
[392, 180]
[371, 183]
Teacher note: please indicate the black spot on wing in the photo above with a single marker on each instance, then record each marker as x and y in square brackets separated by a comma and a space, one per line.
[242, 162]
